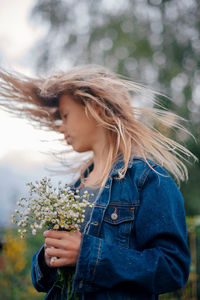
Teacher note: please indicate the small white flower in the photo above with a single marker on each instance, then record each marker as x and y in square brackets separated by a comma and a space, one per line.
[56, 226]
[53, 195]
[27, 212]
[34, 232]
[53, 259]
[50, 204]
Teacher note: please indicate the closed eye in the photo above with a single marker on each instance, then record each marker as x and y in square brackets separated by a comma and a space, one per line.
[64, 116]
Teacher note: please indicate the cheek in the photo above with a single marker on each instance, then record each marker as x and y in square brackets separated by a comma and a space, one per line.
[90, 131]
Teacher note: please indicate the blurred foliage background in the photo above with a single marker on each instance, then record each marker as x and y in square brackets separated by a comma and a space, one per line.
[16, 256]
[15, 265]
[154, 42]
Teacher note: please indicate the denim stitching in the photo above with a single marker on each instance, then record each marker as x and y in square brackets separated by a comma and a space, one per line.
[40, 275]
[123, 205]
[128, 226]
[120, 220]
[144, 176]
[96, 259]
[105, 207]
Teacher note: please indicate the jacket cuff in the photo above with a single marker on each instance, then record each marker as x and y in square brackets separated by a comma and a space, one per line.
[42, 270]
[89, 255]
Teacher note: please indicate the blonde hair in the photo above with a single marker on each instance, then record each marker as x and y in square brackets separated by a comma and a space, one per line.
[132, 131]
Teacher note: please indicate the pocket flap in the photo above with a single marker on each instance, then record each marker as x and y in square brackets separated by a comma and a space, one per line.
[116, 214]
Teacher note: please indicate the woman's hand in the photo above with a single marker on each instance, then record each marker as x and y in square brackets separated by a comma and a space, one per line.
[63, 245]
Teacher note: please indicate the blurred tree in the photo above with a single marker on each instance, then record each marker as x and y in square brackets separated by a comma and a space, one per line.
[154, 42]
[15, 279]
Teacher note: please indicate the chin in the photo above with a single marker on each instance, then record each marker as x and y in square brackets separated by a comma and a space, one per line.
[81, 149]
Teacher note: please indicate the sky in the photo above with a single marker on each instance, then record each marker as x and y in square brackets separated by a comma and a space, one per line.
[17, 33]
[17, 36]
[23, 155]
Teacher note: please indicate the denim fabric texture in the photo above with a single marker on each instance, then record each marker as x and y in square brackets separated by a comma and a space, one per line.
[88, 209]
[139, 252]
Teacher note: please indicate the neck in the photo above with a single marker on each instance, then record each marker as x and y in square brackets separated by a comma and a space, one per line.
[100, 151]
[99, 159]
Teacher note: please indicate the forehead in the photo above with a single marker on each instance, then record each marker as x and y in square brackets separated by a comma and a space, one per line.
[65, 102]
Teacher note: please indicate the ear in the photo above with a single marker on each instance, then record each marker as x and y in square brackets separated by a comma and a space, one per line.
[98, 109]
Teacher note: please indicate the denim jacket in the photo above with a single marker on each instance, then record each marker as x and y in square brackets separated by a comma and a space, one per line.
[135, 244]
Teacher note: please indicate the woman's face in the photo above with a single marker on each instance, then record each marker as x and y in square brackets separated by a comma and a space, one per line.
[80, 131]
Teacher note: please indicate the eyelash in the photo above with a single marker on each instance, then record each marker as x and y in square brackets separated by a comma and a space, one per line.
[65, 116]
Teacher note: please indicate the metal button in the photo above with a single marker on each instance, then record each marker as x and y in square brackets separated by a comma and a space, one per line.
[81, 284]
[114, 216]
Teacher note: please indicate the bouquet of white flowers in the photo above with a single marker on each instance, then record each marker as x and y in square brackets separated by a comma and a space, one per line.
[48, 207]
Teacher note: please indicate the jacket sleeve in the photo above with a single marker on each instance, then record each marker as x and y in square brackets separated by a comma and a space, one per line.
[42, 276]
[160, 263]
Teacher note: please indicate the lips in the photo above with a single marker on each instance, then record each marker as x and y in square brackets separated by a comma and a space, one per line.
[68, 138]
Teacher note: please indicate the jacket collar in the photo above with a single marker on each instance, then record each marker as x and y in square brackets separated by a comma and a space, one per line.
[119, 163]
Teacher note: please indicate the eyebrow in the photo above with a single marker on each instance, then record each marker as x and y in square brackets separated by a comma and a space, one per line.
[62, 111]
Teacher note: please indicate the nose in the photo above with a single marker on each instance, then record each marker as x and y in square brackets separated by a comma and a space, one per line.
[61, 129]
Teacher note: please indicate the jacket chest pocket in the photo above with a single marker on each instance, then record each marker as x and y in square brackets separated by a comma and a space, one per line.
[118, 222]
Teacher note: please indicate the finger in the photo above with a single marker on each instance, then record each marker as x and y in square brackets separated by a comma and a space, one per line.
[55, 243]
[58, 253]
[77, 232]
[61, 262]
[55, 234]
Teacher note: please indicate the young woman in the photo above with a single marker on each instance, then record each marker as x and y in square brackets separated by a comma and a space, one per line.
[133, 244]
